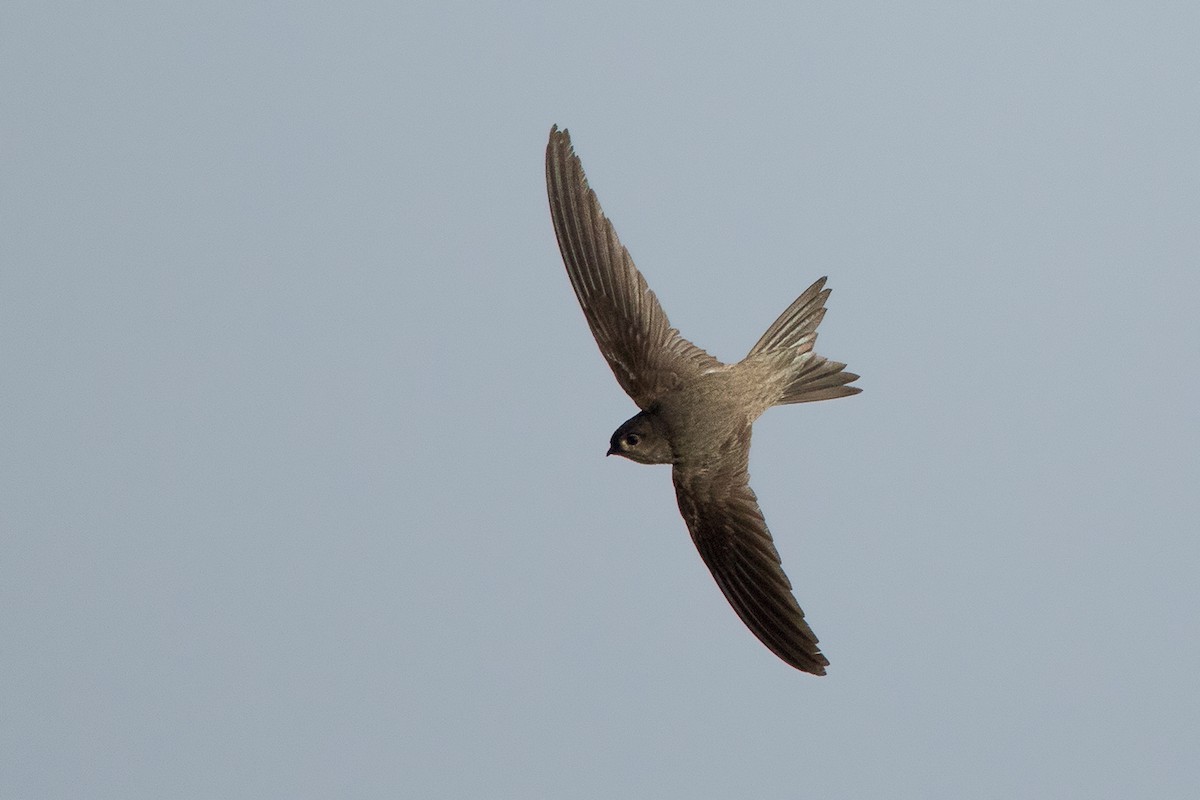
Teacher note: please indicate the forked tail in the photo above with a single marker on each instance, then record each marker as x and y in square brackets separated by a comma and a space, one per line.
[807, 376]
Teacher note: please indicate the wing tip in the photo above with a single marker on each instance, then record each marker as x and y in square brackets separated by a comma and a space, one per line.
[560, 136]
[812, 661]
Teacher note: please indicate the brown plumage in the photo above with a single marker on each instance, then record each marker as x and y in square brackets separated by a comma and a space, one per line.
[696, 413]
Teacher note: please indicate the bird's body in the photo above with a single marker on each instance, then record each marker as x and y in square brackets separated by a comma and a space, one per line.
[713, 405]
[697, 413]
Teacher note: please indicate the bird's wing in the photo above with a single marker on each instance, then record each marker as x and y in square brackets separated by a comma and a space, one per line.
[726, 524]
[647, 355]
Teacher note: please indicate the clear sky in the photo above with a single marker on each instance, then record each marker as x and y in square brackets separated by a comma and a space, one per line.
[302, 477]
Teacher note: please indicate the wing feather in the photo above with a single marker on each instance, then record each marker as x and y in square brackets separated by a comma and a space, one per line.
[728, 528]
[647, 356]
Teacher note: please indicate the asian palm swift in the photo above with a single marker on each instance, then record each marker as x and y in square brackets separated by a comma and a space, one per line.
[696, 413]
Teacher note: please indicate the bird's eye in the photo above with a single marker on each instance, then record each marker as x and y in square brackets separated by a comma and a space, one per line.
[632, 439]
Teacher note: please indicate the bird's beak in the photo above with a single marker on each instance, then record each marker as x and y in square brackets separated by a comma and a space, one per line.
[612, 451]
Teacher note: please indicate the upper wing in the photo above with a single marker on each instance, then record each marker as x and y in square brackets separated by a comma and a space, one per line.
[647, 355]
[728, 528]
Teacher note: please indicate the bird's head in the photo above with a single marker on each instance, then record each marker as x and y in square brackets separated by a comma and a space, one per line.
[643, 439]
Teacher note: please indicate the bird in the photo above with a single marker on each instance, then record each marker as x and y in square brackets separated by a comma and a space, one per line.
[696, 413]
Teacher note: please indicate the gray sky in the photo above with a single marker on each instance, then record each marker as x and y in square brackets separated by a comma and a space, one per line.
[304, 490]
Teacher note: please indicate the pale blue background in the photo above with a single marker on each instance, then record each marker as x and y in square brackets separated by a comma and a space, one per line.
[303, 488]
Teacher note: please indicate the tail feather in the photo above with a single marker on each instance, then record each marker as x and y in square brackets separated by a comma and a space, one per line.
[824, 382]
[802, 316]
[808, 377]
